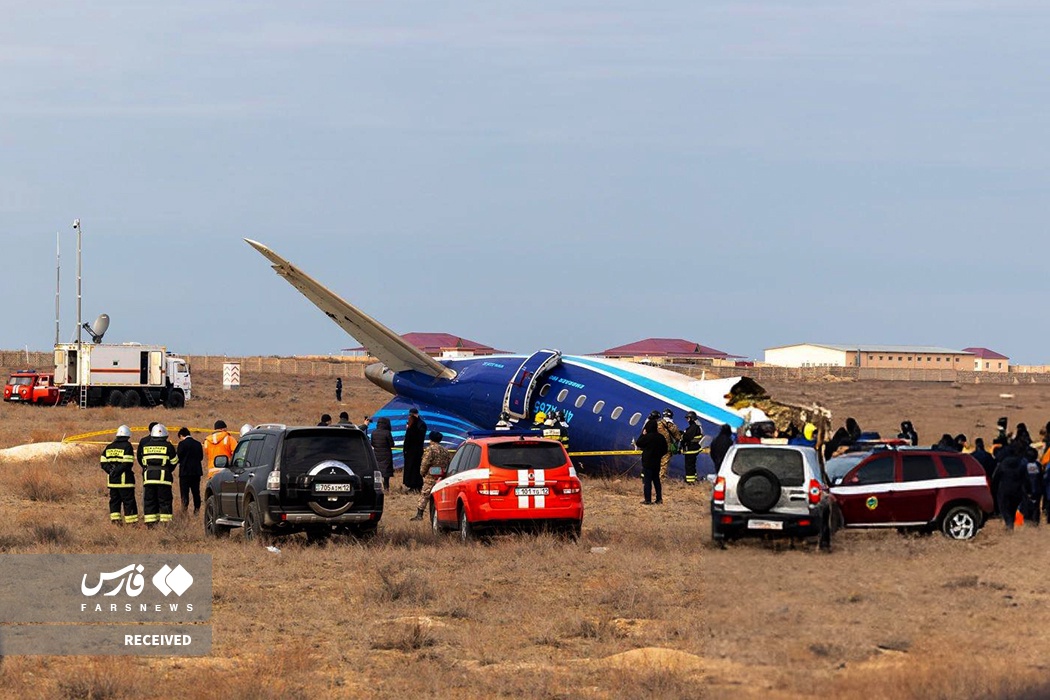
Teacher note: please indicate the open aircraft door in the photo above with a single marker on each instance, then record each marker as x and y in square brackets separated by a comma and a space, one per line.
[519, 392]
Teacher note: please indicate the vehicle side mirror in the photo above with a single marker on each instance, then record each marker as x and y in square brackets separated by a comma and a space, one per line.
[838, 480]
[221, 462]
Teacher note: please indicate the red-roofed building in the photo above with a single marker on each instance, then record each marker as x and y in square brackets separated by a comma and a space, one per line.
[666, 350]
[443, 345]
[985, 360]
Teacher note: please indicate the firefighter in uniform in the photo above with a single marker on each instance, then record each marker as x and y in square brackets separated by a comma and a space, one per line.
[673, 435]
[158, 459]
[435, 463]
[538, 422]
[563, 428]
[504, 421]
[550, 428]
[691, 446]
[118, 461]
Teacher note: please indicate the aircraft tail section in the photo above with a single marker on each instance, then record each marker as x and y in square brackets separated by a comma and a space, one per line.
[390, 348]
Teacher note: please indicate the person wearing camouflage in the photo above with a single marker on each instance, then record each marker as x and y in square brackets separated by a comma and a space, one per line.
[673, 435]
[434, 465]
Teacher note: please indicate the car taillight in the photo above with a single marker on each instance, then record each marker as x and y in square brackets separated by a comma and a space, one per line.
[814, 492]
[492, 488]
[273, 481]
[569, 487]
[377, 477]
[719, 494]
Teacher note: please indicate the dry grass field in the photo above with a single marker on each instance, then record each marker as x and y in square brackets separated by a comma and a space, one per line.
[643, 606]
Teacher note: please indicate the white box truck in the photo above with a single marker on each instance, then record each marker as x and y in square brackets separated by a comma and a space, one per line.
[128, 375]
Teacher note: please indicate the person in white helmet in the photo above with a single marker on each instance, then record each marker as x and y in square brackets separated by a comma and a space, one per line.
[118, 461]
[158, 458]
[245, 429]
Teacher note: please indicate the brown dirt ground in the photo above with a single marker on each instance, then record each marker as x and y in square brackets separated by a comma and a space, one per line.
[643, 606]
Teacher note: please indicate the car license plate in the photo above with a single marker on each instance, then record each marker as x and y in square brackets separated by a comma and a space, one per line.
[532, 491]
[333, 488]
[765, 525]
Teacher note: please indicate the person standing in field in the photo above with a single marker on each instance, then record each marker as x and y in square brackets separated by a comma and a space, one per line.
[218, 443]
[383, 445]
[191, 456]
[653, 445]
[691, 446]
[721, 444]
[158, 459]
[412, 450]
[673, 435]
[432, 468]
[118, 461]
[1012, 478]
[339, 389]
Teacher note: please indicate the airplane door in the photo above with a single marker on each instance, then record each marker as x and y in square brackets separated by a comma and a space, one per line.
[519, 392]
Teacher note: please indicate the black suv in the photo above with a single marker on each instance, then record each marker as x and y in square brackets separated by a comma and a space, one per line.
[282, 480]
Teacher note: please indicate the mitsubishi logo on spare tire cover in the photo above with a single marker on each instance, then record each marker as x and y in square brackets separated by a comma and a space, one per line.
[759, 490]
[335, 503]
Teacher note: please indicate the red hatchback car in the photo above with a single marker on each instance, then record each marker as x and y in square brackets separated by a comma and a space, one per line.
[508, 482]
[910, 488]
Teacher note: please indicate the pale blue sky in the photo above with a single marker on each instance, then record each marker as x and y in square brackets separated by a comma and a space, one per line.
[565, 174]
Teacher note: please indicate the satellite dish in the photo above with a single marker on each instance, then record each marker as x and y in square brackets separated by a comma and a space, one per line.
[98, 328]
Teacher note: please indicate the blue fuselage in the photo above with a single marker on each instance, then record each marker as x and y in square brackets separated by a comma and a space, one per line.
[605, 403]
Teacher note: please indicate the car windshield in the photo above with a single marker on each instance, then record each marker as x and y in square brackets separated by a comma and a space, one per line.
[787, 465]
[20, 381]
[305, 449]
[526, 455]
[838, 467]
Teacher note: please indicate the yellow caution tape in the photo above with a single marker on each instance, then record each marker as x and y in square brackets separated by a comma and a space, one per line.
[110, 431]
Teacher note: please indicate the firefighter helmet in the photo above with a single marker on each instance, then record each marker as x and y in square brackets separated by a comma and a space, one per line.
[123, 431]
[504, 416]
[654, 415]
[540, 416]
[691, 415]
[668, 413]
[159, 431]
[246, 428]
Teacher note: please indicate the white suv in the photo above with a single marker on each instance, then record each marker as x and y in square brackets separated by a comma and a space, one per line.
[771, 491]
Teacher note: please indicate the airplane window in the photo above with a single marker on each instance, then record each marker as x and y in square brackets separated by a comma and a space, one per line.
[599, 406]
[544, 389]
[582, 400]
[562, 394]
[635, 418]
[616, 412]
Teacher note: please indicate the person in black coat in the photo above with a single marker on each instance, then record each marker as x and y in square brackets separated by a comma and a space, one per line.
[986, 460]
[383, 444]
[720, 445]
[1012, 478]
[946, 444]
[842, 437]
[653, 446]
[412, 449]
[191, 459]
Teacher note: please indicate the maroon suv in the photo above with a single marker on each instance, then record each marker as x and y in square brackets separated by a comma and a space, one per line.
[910, 488]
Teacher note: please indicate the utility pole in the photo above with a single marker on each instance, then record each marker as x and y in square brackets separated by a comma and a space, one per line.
[76, 227]
[58, 282]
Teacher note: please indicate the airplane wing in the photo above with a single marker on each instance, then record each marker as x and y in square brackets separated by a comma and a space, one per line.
[390, 348]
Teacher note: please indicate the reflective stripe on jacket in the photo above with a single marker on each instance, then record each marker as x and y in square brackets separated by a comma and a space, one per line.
[118, 461]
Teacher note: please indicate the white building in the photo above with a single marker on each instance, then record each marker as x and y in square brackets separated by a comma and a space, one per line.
[896, 356]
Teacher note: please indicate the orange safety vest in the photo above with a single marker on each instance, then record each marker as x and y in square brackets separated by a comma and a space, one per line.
[220, 443]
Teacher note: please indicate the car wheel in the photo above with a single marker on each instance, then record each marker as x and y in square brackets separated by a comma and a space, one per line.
[115, 399]
[132, 399]
[211, 515]
[434, 524]
[253, 530]
[961, 523]
[466, 531]
[759, 490]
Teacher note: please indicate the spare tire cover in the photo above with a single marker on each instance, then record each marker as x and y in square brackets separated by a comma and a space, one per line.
[331, 505]
[759, 490]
